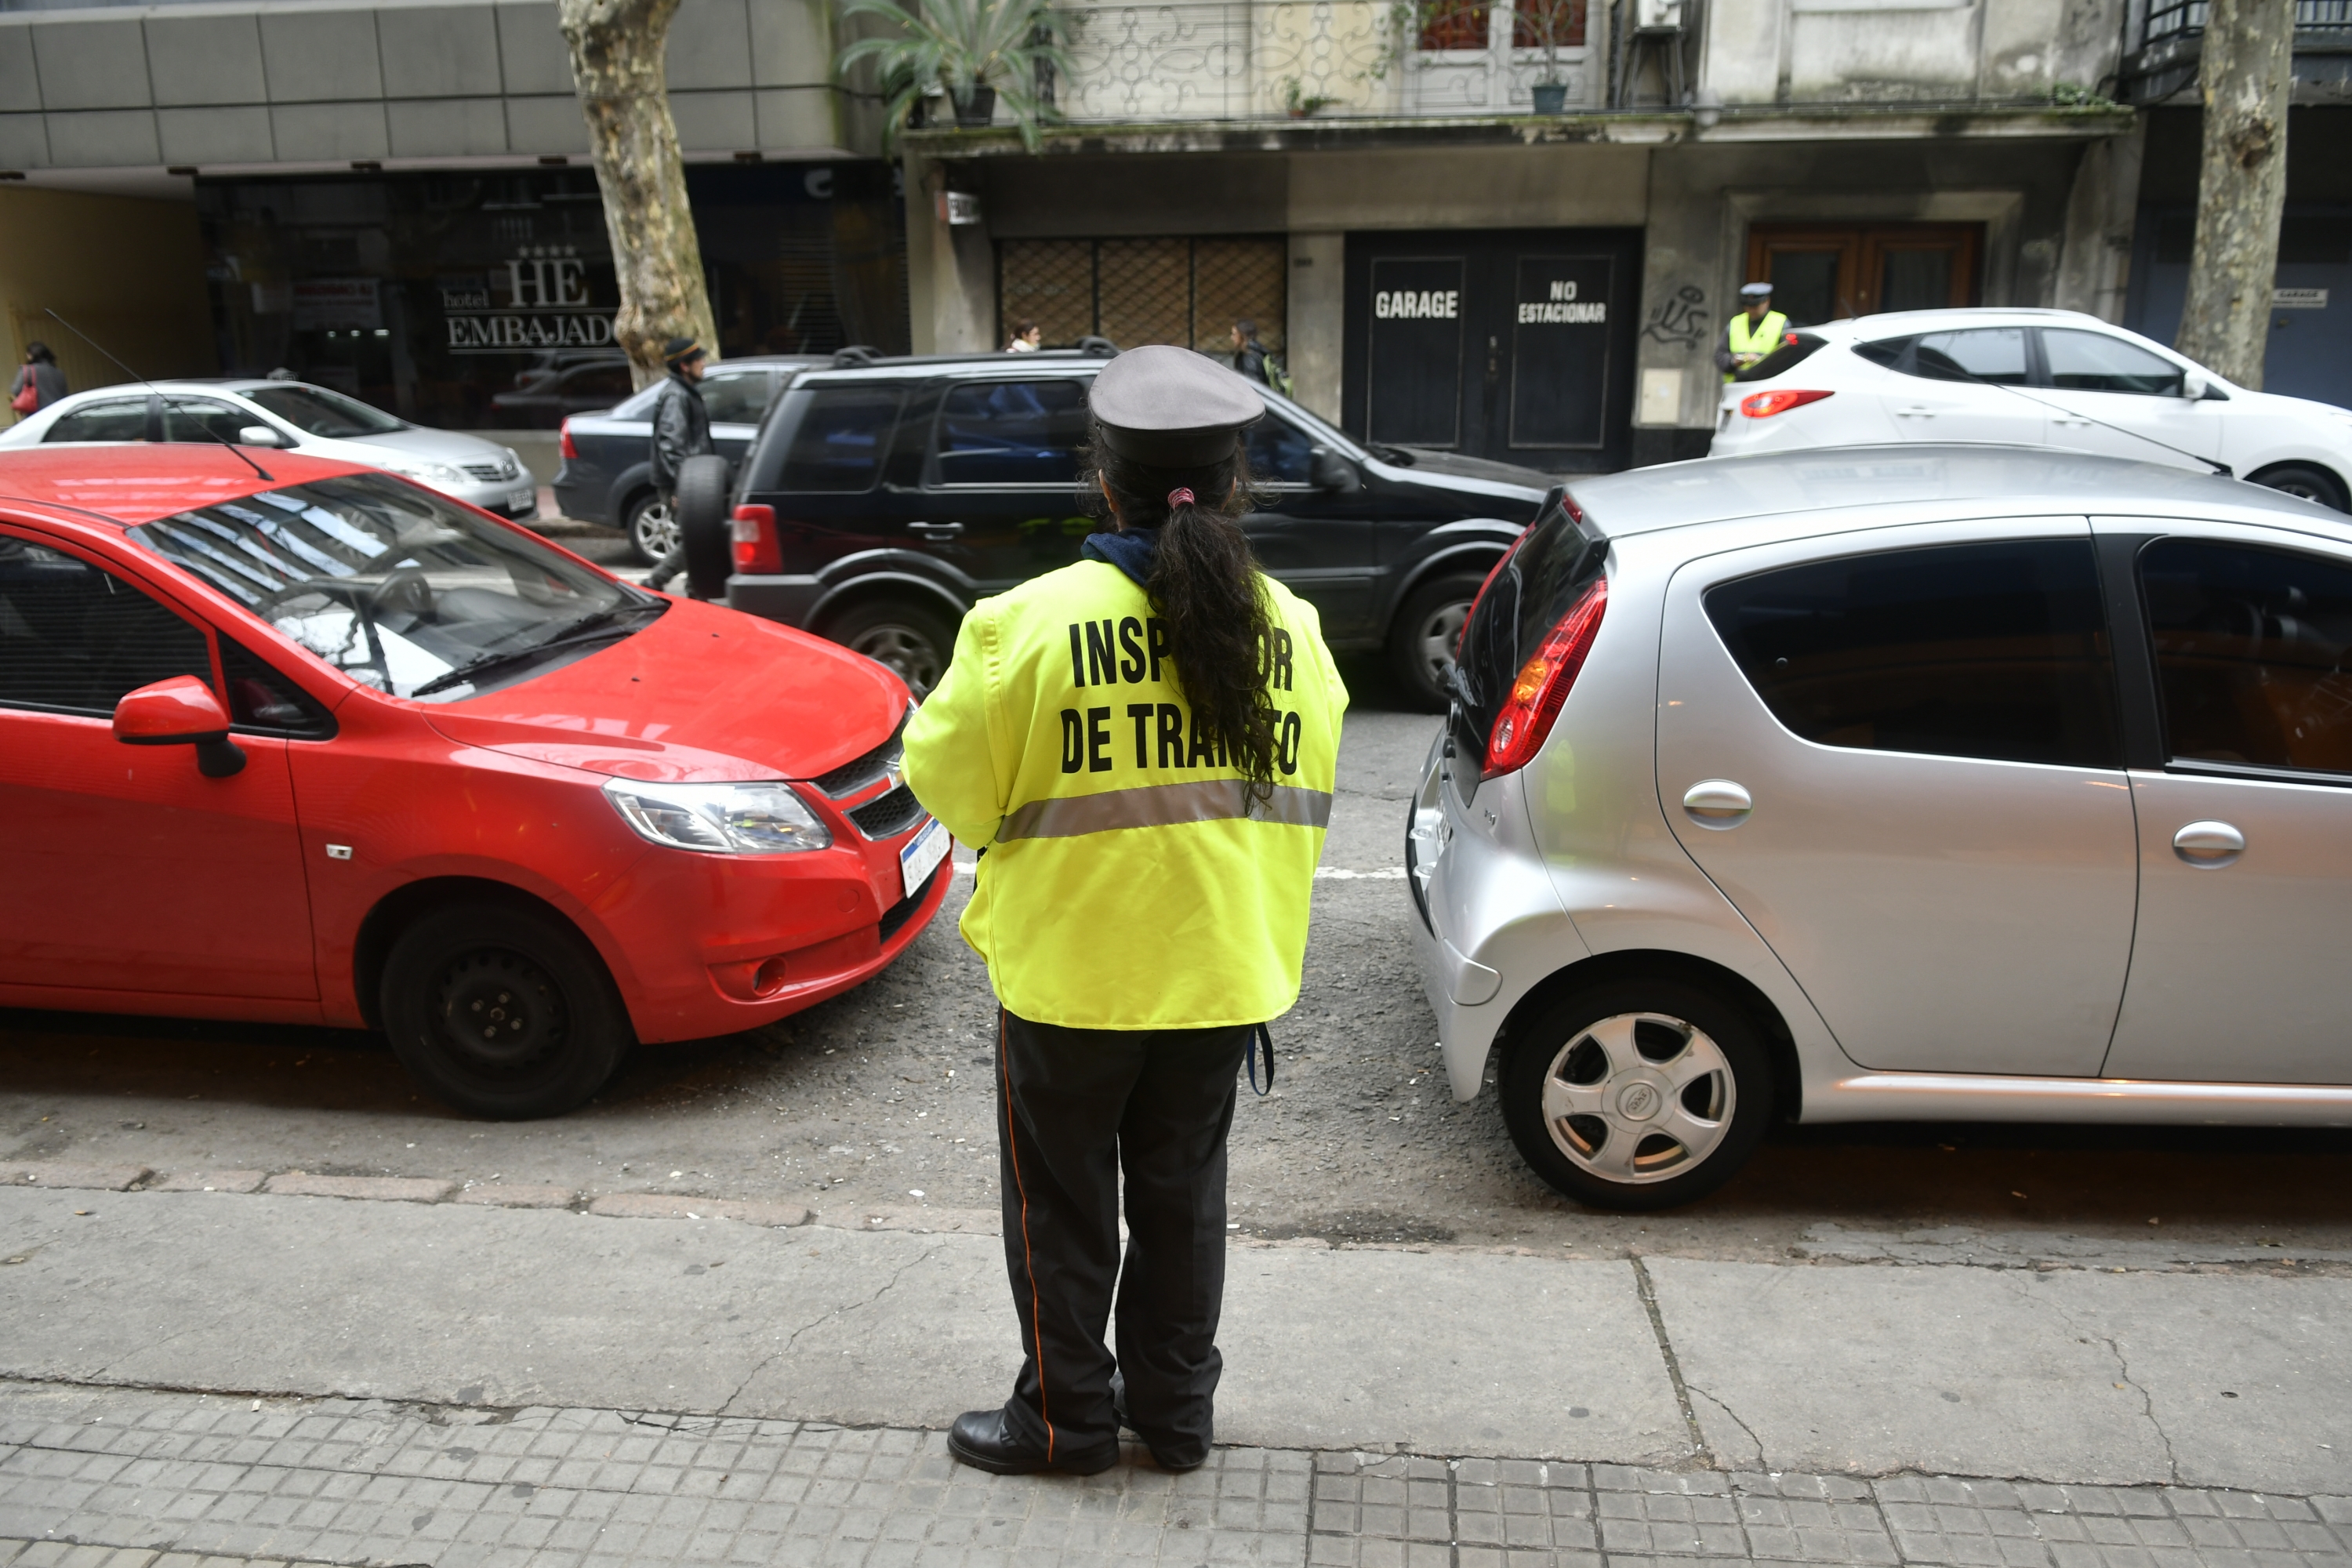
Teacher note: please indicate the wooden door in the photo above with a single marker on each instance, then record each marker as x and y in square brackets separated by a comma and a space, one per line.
[1823, 272]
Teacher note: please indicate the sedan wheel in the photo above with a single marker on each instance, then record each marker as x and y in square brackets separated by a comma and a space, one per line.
[653, 530]
[1427, 632]
[1637, 1095]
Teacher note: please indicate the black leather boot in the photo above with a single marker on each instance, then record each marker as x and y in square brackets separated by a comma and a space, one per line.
[981, 1440]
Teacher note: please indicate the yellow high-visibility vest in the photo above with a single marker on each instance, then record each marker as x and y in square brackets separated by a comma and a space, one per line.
[1128, 880]
[1755, 338]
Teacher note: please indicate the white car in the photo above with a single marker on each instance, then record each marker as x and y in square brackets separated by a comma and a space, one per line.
[2038, 378]
[292, 415]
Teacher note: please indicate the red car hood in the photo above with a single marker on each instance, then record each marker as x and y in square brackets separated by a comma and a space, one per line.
[701, 695]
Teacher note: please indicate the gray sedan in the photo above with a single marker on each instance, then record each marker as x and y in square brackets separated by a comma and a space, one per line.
[1967, 782]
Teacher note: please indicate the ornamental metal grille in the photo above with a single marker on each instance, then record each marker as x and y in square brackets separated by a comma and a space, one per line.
[1145, 290]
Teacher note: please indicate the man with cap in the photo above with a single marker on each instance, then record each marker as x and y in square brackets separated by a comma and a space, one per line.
[1142, 745]
[1752, 334]
[681, 430]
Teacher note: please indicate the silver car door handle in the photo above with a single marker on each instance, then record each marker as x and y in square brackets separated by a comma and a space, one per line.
[935, 529]
[2209, 844]
[1718, 803]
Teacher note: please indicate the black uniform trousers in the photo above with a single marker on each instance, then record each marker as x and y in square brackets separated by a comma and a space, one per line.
[1078, 1107]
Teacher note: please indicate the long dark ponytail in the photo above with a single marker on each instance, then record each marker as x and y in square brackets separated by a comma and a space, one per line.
[1205, 586]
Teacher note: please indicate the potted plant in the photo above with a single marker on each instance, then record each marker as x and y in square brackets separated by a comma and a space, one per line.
[1548, 25]
[975, 52]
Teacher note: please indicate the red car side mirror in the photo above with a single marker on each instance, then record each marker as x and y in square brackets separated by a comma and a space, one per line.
[181, 711]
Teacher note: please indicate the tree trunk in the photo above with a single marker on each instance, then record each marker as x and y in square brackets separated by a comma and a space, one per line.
[2243, 76]
[616, 67]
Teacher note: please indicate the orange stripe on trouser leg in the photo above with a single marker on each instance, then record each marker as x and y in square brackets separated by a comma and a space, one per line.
[1028, 1259]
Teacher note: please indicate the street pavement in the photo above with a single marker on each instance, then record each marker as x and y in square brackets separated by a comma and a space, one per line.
[263, 1302]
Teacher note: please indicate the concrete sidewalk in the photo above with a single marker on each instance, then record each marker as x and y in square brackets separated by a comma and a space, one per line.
[2050, 1371]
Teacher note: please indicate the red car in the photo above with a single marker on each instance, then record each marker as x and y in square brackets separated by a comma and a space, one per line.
[326, 747]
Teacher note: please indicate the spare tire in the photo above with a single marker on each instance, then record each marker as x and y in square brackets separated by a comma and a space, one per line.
[704, 526]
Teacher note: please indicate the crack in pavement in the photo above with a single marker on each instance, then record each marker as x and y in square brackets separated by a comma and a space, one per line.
[1649, 1295]
[794, 1338]
[1725, 1406]
[2086, 1335]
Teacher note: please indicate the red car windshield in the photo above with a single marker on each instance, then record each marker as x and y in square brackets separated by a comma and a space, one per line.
[395, 586]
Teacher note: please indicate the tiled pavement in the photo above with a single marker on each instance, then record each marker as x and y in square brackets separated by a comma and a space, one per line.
[97, 1477]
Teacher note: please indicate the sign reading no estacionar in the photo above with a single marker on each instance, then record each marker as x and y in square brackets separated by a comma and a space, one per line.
[537, 301]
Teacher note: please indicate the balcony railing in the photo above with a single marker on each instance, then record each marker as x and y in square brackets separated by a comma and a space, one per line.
[1276, 60]
[2163, 37]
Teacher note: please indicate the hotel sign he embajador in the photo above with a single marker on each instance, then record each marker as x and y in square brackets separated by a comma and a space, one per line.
[546, 306]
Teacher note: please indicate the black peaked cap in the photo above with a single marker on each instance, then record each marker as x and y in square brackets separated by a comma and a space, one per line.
[1172, 408]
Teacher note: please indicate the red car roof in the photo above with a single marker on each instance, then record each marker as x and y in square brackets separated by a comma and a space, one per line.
[138, 481]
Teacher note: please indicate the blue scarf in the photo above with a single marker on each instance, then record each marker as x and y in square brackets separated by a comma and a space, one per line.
[1132, 551]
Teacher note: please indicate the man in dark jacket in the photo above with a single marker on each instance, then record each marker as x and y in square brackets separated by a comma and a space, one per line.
[1249, 355]
[681, 430]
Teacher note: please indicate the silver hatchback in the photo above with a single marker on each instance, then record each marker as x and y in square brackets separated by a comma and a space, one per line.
[1962, 782]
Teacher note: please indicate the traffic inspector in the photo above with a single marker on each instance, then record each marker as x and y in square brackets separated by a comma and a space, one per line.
[1751, 333]
[1143, 744]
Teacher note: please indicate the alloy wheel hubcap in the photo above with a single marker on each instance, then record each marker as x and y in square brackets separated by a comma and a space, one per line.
[657, 530]
[1638, 1098]
[905, 651]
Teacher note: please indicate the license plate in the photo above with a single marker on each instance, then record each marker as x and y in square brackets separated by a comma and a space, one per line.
[921, 856]
[525, 504]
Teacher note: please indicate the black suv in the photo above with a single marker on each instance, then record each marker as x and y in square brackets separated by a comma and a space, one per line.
[881, 498]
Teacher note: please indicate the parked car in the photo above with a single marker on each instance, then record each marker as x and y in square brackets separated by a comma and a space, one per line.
[293, 415]
[1935, 782]
[543, 396]
[606, 475]
[326, 747]
[880, 500]
[2037, 378]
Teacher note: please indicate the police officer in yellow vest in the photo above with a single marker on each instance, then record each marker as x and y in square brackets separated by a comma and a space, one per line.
[1143, 745]
[1752, 334]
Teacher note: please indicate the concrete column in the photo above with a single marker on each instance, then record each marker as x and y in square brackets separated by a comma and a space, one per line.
[2094, 260]
[1315, 336]
[1683, 307]
[950, 270]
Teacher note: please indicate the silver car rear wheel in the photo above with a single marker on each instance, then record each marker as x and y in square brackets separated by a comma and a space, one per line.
[1639, 1098]
[653, 530]
[1637, 1093]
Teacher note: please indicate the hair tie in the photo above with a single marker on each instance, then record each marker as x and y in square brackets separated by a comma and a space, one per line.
[1178, 496]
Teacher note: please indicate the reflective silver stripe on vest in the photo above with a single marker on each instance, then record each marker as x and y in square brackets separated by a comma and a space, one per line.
[1164, 805]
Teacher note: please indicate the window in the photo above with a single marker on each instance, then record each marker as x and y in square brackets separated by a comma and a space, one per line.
[259, 697]
[2251, 649]
[115, 419]
[2093, 361]
[1280, 453]
[731, 399]
[75, 638]
[202, 419]
[395, 586]
[1453, 24]
[1983, 353]
[1011, 432]
[840, 438]
[1557, 24]
[1975, 650]
[315, 411]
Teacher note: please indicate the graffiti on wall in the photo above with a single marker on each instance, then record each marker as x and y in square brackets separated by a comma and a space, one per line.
[1680, 320]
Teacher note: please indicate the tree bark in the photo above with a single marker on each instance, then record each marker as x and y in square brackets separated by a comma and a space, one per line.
[2243, 76]
[617, 49]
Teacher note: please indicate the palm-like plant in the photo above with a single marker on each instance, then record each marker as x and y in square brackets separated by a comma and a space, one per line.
[964, 48]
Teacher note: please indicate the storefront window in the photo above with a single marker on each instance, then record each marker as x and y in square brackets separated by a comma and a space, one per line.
[484, 301]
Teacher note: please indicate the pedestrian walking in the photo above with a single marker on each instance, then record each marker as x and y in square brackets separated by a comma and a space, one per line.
[1027, 338]
[1249, 355]
[681, 430]
[1753, 332]
[38, 382]
[1143, 745]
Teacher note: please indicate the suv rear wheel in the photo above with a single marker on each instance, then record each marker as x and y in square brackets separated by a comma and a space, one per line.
[1637, 1094]
[502, 1012]
[913, 642]
[1427, 631]
[2304, 479]
[652, 531]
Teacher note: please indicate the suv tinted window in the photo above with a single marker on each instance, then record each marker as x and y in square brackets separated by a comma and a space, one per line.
[734, 399]
[1981, 353]
[2250, 653]
[1995, 650]
[116, 419]
[2093, 361]
[75, 638]
[839, 438]
[1012, 432]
